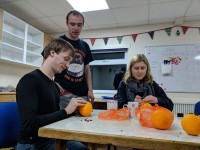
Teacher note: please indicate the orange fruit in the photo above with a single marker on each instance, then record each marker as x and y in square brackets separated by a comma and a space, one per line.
[191, 124]
[86, 110]
[162, 118]
[145, 105]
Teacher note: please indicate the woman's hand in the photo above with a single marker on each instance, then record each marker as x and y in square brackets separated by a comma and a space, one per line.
[138, 99]
[150, 99]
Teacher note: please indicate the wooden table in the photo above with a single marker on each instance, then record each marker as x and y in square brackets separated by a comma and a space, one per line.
[128, 133]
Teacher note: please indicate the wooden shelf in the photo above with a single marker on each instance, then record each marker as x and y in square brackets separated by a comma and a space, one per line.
[20, 41]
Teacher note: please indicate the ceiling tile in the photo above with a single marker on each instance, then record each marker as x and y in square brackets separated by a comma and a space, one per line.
[59, 20]
[125, 3]
[51, 7]
[138, 13]
[135, 23]
[21, 9]
[5, 1]
[158, 21]
[192, 18]
[168, 10]
[161, 1]
[194, 8]
[96, 17]
[103, 26]
[43, 24]
[61, 31]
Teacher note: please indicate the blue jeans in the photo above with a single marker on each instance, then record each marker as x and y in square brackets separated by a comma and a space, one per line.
[48, 144]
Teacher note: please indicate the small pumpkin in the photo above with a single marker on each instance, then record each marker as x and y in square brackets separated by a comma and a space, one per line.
[162, 118]
[191, 124]
[86, 110]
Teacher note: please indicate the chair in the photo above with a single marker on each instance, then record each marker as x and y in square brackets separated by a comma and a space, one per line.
[197, 108]
[9, 124]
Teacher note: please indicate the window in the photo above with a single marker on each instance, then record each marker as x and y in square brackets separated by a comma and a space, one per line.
[107, 63]
[103, 76]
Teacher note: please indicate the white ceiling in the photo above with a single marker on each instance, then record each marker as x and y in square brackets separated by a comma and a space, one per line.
[49, 15]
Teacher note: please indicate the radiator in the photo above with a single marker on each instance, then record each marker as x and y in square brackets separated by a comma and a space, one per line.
[183, 108]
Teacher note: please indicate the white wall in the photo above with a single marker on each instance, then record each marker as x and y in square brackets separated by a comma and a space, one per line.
[192, 36]
[10, 74]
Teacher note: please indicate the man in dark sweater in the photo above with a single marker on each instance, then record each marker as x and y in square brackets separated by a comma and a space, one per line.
[38, 99]
[118, 77]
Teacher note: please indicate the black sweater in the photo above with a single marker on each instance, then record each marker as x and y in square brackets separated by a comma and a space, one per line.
[38, 105]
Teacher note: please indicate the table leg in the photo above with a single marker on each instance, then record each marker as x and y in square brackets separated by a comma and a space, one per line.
[93, 146]
[60, 145]
[108, 147]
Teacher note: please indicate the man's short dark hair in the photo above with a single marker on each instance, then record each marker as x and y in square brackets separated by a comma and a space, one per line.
[75, 13]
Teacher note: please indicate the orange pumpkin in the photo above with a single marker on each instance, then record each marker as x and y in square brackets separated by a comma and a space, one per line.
[86, 110]
[162, 118]
[145, 117]
[145, 105]
[191, 124]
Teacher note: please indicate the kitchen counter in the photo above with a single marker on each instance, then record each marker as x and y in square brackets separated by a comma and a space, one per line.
[7, 93]
[7, 96]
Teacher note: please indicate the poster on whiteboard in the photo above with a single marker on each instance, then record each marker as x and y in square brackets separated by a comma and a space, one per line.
[176, 68]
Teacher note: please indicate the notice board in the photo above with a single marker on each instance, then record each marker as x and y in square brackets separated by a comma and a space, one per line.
[176, 67]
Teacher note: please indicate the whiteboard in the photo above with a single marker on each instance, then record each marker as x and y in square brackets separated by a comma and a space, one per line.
[176, 67]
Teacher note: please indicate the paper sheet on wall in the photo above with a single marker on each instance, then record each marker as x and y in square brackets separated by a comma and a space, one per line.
[166, 69]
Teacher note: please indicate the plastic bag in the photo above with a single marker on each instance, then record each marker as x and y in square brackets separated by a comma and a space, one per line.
[145, 117]
[114, 114]
[144, 113]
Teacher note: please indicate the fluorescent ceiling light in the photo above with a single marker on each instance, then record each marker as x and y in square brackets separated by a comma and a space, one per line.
[88, 5]
[197, 57]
